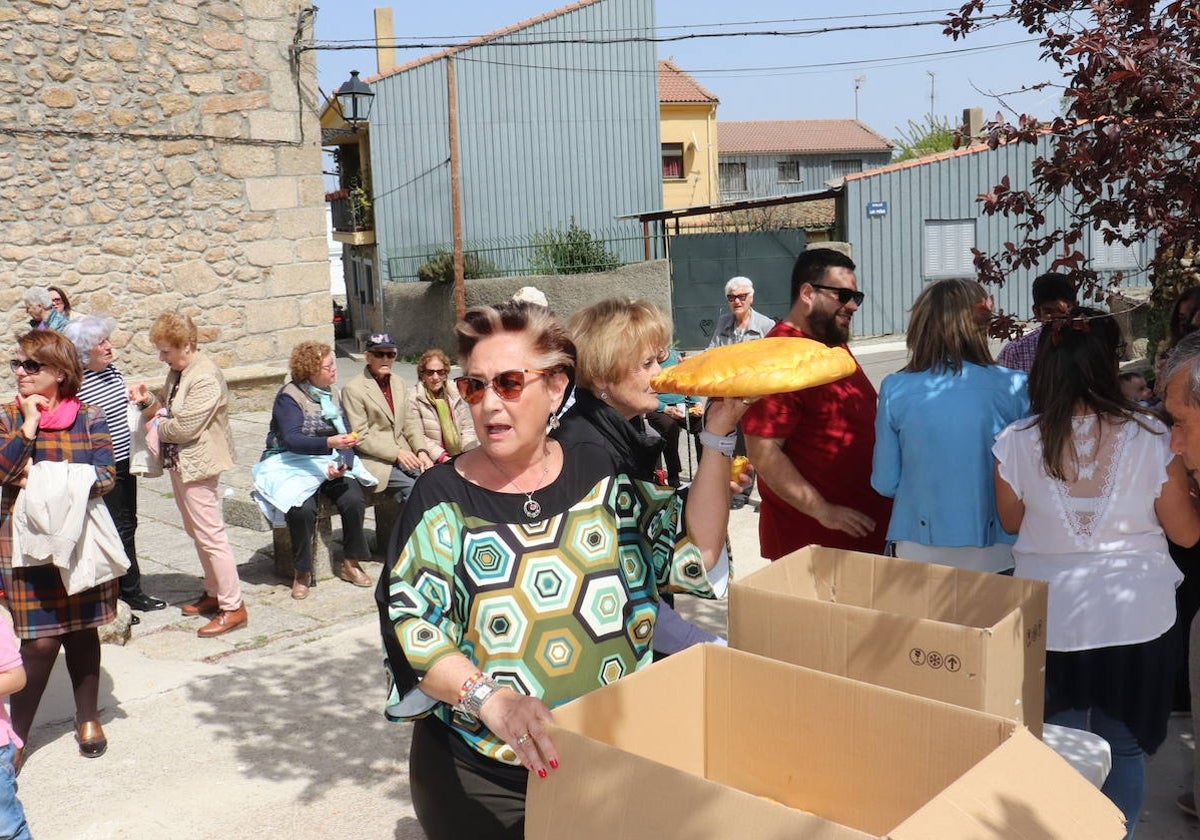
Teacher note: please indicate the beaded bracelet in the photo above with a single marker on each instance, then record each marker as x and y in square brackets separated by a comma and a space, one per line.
[466, 687]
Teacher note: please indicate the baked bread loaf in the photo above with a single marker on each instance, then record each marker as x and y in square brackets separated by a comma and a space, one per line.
[756, 368]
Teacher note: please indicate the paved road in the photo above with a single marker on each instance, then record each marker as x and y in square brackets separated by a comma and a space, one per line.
[275, 730]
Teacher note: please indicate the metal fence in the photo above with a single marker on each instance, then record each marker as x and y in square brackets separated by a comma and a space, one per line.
[566, 251]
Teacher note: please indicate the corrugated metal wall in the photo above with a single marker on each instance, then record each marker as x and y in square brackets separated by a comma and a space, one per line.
[547, 133]
[888, 249]
[762, 172]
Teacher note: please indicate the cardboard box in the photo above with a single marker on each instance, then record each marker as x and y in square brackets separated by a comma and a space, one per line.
[715, 744]
[973, 639]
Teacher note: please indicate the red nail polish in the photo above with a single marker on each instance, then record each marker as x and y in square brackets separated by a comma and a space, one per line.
[554, 764]
[542, 773]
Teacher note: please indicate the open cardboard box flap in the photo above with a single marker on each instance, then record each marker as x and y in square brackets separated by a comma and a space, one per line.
[973, 639]
[715, 743]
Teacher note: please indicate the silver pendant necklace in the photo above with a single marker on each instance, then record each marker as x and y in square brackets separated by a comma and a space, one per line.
[531, 507]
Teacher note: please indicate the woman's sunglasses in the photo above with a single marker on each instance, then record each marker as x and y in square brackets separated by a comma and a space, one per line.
[507, 384]
[29, 365]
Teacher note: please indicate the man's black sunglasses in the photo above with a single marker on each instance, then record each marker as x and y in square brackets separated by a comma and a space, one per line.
[844, 296]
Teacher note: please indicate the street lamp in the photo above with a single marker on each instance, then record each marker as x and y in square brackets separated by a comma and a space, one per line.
[354, 100]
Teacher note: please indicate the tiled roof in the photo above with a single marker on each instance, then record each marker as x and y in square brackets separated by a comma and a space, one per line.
[674, 85]
[482, 39]
[798, 136]
[973, 148]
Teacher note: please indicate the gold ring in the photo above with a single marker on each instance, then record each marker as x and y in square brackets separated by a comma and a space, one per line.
[522, 740]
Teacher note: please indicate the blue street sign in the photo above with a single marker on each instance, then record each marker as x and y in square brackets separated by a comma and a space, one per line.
[876, 209]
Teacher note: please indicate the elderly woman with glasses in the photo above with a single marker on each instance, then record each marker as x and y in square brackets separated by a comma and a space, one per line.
[40, 308]
[494, 611]
[307, 420]
[47, 422]
[190, 415]
[104, 386]
[444, 416]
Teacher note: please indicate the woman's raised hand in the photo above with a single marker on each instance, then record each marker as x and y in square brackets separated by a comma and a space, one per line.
[139, 393]
[724, 413]
[520, 721]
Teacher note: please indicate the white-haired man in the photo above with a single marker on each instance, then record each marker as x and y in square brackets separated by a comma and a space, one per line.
[1181, 377]
[741, 322]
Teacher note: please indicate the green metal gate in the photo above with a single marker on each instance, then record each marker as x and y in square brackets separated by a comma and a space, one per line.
[701, 264]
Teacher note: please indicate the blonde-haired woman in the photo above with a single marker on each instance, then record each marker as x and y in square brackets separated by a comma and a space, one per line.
[938, 418]
[192, 411]
[445, 418]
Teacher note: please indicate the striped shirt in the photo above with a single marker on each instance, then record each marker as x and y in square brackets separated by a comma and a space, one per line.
[106, 390]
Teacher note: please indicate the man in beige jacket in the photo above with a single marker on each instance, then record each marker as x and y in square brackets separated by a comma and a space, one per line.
[391, 442]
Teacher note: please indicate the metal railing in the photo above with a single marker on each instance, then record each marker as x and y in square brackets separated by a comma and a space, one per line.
[519, 256]
[349, 216]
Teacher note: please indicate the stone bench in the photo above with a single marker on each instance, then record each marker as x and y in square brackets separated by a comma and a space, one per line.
[386, 510]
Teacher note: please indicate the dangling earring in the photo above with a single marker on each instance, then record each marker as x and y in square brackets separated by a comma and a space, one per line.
[552, 423]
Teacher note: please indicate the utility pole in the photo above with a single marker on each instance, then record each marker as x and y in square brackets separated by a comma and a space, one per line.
[460, 305]
[858, 80]
[931, 80]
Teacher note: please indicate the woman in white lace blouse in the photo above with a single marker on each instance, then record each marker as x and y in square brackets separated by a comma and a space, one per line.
[1089, 485]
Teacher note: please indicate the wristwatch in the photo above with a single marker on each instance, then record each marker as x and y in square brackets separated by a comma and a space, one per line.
[477, 695]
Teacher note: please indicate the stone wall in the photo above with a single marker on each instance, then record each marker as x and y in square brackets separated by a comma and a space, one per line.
[164, 155]
[421, 315]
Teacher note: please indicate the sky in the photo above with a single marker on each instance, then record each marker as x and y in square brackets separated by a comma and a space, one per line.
[901, 74]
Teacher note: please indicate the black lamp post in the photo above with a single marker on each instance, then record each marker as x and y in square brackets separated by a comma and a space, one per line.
[354, 99]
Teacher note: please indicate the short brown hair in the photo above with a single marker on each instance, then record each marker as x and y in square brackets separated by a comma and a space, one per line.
[175, 329]
[612, 336]
[432, 353]
[55, 350]
[305, 362]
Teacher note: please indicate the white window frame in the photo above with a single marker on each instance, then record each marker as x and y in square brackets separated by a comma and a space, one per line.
[946, 246]
[1115, 257]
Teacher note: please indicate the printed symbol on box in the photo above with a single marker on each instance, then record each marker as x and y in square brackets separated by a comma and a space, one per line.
[935, 659]
[953, 663]
[916, 656]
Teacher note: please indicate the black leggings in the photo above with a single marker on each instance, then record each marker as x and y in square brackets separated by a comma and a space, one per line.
[458, 793]
[302, 522]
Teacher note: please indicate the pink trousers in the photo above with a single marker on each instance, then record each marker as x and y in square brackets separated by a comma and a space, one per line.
[201, 511]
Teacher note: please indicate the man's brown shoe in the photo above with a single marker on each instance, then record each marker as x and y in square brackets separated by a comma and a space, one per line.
[300, 585]
[224, 621]
[352, 572]
[204, 605]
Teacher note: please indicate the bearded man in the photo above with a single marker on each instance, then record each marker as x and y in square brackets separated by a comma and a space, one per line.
[812, 448]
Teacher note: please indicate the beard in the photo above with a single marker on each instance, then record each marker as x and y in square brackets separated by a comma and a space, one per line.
[824, 327]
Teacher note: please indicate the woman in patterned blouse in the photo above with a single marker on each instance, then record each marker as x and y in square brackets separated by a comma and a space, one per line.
[529, 574]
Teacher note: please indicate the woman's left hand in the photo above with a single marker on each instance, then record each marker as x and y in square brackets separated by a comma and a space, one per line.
[520, 721]
[724, 413]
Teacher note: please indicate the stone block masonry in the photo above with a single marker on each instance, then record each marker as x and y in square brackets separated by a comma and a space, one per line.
[164, 155]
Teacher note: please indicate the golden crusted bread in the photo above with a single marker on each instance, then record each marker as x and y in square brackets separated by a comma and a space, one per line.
[756, 368]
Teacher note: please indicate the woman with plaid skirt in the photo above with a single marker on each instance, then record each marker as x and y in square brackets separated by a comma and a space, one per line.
[46, 422]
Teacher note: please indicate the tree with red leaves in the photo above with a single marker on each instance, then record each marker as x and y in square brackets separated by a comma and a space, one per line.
[1125, 157]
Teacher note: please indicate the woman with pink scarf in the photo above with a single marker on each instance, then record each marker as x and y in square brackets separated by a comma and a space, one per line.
[46, 422]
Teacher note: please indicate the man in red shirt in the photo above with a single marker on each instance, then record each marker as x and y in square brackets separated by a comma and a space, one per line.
[812, 448]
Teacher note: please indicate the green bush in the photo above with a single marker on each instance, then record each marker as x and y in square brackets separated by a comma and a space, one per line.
[440, 267]
[570, 251]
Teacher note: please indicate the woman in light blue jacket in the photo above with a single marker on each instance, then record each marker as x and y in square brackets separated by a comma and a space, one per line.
[937, 419]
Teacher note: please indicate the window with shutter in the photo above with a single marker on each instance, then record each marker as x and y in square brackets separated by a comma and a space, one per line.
[948, 244]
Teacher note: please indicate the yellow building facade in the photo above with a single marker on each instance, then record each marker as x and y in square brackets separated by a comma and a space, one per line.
[688, 132]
